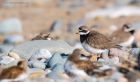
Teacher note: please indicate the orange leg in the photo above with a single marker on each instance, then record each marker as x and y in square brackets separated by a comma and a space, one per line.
[93, 57]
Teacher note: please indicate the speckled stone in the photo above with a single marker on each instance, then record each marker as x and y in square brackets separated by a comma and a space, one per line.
[37, 64]
[56, 59]
[41, 53]
[135, 52]
[4, 60]
[26, 49]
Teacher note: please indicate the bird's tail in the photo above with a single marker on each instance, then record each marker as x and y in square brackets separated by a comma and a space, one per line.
[123, 48]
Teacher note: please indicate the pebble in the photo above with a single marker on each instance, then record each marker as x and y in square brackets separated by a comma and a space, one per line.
[41, 53]
[13, 39]
[135, 52]
[57, 71]
[4, 60]
[104, 67]
[14, 55]
[47, 71]
[115, 60]
[37, 64]
[112, 61]
[117, 52]
[11, 25]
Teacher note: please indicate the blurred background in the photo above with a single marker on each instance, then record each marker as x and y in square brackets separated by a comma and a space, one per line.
[21, 20]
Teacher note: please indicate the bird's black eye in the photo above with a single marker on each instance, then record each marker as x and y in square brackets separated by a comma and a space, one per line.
[83, 55]
[39, 58]
[132, 31]
[126, 26]
[80, 28]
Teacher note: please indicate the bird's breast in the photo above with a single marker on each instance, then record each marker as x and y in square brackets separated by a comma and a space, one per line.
[92, 49]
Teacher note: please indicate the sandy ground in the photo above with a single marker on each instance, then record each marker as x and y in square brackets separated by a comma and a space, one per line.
[39, 16]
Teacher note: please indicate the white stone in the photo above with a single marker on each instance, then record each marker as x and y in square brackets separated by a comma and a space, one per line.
[4, 60]
[14, 55]
[11, 25]
[41, 53]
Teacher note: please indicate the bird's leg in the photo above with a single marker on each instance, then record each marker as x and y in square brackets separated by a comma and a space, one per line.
[105, 54]
[93, 58]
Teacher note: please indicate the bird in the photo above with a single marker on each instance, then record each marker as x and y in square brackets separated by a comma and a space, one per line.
[14, 73]
[42, 36]
[124, 36]
[95, 42]
[79, 66]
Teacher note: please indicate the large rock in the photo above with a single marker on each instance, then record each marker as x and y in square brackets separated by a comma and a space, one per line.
[26, 49]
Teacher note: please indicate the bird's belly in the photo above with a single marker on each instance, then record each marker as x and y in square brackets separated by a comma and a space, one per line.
[128, 42]
[21, 77]
[93, 50]
[69, 67]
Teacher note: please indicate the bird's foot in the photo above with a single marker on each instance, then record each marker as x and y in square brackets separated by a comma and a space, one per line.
[93, 58]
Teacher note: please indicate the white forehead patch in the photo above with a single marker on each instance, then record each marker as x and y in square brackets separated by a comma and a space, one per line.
[84, 33]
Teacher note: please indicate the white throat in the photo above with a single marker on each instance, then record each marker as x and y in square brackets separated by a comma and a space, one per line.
[84, 33]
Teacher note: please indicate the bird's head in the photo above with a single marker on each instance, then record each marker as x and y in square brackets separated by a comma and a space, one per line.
[83, 30]
[127, 28]
[78, 54]
[22, 64]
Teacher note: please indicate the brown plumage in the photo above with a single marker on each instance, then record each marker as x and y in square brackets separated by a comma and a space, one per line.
[42, 36]
[100, 41]
[14, 71]
[85, 65]
[95, 42]
[76, 67]
[121, 36]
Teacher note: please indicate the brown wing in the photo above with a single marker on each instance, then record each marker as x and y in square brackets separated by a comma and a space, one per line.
[11, 73]
[84, 65]
[87, 66]
[120, 36]
[100, 41]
